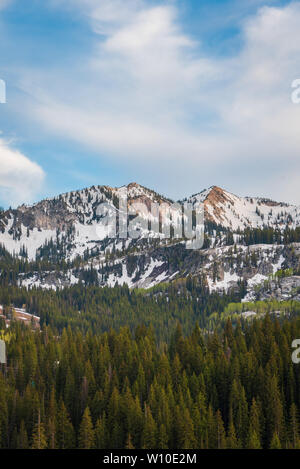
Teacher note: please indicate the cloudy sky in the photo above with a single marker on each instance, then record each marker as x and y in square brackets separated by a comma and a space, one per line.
[177, 95]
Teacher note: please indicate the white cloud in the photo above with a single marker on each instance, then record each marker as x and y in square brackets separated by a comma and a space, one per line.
[105, 15]
[148, 92]
[20, 178]
[142, 83]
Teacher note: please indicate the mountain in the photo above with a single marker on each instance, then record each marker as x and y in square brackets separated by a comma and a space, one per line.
[70, 220]
[247, 239]
[238, 213]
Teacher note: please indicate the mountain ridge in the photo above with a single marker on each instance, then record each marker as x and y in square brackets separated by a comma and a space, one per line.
[66, 228]
[133, 184]
[30, 225]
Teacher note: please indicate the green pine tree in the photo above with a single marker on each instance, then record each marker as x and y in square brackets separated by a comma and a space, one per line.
[39, 440]
[86, 431]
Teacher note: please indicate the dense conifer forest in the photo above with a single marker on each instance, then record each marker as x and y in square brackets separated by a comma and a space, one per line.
[98, 309]
[234, 389]
[172, 367]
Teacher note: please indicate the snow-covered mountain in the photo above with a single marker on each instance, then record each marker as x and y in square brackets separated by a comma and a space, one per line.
[72, 227]
[237, 213]
[72, 221]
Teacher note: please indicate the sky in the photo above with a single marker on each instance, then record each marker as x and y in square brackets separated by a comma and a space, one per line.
[177, 95]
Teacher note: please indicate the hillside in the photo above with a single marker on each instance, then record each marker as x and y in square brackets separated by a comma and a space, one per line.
[246, 239]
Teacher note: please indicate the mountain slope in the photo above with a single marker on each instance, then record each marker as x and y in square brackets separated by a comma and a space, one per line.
[72, 227]
[237, 213]
[70, 219]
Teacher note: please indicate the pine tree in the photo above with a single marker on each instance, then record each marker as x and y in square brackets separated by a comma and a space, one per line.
[274, 410]
[129, 444]
[162, 437]
[186, 436]
[51, 425]
[275, 442]
[100, 433]
[253, 441]
[239, 406]
[294, 426]
[86, 431]
[254, 427]
[231, 441]
[65, 437]
[149, 431]
[39, 440]
[22, 438]
[219, 431]
[3, 414]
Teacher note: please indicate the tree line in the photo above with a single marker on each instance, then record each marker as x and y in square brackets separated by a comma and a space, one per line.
[97, 309]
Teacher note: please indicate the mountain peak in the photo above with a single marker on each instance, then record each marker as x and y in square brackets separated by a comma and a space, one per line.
[212, 193]
[216, 194]
[133, 184]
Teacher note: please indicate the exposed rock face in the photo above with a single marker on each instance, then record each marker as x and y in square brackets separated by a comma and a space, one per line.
[46, 215]
[68, 212]
[78, 211]
[222, 268]
[68, 225]
[232, 212]
[286, 288]
[214, 204]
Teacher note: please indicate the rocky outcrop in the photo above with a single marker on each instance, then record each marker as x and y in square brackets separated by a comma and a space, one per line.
[67, 226]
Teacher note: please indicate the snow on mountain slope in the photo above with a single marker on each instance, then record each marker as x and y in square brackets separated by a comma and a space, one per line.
[224, 268]
[71, 221]
[237, 213]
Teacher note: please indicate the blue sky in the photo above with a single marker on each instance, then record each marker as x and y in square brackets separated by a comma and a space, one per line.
[177, 95]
